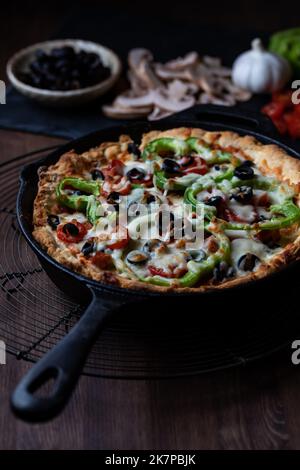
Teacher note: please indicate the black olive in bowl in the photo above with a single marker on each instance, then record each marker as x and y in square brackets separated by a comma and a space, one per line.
[64, 72]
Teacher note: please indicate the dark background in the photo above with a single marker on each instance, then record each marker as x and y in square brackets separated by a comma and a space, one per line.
[143, 23]
[256, 407]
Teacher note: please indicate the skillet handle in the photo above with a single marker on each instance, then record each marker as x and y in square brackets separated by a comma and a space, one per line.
[63, 364]
[239, 117]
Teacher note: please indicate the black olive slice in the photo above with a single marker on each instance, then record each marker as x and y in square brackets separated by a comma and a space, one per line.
[114, 198]
[87, 248]
[136, 174]
[244, 171]
[248, 262]
[198, 255]
[170, 167]
[222, 271]
[70, 229]
[152, 245]
[53, 221]
[243, 194]
[137, 257]
[133, 148]
[97, 175]
[214, 201]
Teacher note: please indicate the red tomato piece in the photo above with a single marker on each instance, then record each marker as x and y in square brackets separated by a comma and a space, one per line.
[115, 168]
[120, 242]
[168, 274]
[198, 166]
[293, 124]
[274, 110]
[102, 260]
[124, 190]
[66, 236]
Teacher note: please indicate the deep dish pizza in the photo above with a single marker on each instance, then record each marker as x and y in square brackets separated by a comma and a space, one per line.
[243, 196]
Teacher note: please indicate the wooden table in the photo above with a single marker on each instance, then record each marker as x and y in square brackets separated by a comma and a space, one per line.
[256, 407]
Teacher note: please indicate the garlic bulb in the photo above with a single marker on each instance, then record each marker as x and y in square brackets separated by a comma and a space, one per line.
[260, 71]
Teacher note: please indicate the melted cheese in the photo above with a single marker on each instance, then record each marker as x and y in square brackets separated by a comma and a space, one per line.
[245, 212]
[242, 246]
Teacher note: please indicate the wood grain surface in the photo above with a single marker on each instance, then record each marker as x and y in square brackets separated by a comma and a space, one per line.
[256, 407]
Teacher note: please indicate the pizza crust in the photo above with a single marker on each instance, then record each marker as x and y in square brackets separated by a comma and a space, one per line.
[270, 160]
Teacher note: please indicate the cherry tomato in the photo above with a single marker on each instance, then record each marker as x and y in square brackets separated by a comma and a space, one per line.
[64, 231]
[122, 186]
[230, 216]
[293, 124]
[120, 242]
[168, 274]
[198, 166]
[274, 109]
[125, 189]
[102, 260]
[114, 168]
[263, 200]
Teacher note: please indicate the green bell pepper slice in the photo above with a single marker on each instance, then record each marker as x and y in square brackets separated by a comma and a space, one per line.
[191, 192]
[196, 270]
[287, 44]
[74, 201]
[290, 215]
[210, 156]
[83, 203]
[165, 144]
[162, 182]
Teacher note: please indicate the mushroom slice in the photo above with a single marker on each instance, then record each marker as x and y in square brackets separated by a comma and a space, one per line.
[137, 56]
[211, 61]
[147, 74]
[116, 112]
[127, 101]
[167, 102]
[167, 74]
[140, 61]
[137, 87]
[206, 98]
[179, 89]
[183, 62]
[158, 113]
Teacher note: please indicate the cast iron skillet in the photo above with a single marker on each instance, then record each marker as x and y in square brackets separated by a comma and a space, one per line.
[65, 361]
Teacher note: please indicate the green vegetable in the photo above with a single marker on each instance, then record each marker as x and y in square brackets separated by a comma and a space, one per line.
[173, 184]
[287, 44]
[190, 198]
[180, 147]
[191, 192]
[196, 270]
[84, 203]
[210, 156]
[290, 215]
[165, 145]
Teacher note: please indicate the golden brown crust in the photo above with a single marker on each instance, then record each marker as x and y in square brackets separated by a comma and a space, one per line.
[270, 159]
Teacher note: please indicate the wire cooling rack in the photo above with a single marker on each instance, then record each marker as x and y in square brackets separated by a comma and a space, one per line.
[35, 315]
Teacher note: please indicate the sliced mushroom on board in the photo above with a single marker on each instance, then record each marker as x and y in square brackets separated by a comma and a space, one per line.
[158, 90]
